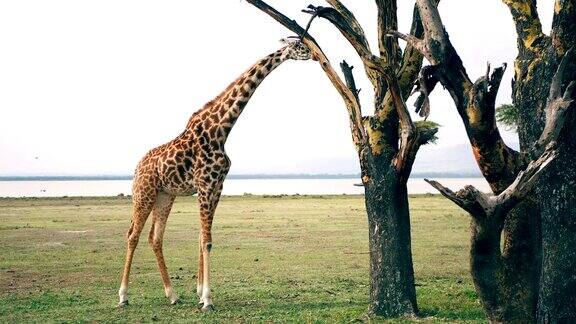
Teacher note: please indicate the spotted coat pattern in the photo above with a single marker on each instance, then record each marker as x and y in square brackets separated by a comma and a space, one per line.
[195, 162]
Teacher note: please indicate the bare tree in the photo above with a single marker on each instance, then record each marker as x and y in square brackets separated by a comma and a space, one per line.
[532, 278]
[386, 142]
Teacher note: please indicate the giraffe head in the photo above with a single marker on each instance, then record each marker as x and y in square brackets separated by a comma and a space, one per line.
[295, 49]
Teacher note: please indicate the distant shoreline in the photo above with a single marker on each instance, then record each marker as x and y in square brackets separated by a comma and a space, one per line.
[234, 176]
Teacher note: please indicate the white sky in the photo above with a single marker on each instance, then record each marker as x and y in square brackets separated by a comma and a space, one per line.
[87, 87]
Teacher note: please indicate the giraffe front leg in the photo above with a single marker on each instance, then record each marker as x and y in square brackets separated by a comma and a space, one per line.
[208, 202]
[206, 297]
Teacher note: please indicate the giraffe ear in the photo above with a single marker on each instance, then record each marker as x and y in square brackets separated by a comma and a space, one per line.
[290, 40]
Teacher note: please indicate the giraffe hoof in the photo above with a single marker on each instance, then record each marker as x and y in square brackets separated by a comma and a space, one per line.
[176, 301]
[123, 304]
[208, 308]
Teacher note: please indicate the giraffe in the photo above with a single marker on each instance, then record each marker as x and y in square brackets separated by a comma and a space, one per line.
[194, 163]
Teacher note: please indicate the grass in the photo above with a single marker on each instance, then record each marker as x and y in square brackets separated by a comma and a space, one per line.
[275, 259]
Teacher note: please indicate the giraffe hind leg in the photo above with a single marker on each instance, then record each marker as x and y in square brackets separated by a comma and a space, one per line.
[141, 211]
[160, 213]
[200, 277]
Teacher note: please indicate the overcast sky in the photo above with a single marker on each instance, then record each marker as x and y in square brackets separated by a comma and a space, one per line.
[87, 87]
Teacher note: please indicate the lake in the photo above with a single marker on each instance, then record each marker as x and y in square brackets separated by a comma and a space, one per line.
[231, 187]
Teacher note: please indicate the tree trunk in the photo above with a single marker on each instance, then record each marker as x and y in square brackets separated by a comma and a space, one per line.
[522, 259]
[555, 196]
[487, 269]
[506, 279]
[392, 290]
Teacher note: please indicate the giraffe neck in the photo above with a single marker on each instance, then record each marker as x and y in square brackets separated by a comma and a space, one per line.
[231, 102]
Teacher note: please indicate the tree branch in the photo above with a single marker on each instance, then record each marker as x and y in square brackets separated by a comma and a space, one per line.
[409, 68]
[468, 198]
[525, 181]
[427, 80]
[281, 18]
[412, 57]
[354, 35]
[350, 99]
[349, 77]
[409, 135]
[563, 25]
[475, 102]
[349, 27]
[387, 20]
[528, 26]
[415, 42]
[352, 21]
[558, 104]
[489, 208]
[435, 37]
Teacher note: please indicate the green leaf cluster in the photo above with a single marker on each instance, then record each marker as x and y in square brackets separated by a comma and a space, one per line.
[507, 115]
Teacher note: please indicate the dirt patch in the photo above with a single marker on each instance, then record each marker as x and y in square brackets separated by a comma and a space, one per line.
[54, 244]
[75, 232]
[16, 280]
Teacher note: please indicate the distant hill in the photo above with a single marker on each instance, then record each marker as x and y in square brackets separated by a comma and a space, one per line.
[456, 160]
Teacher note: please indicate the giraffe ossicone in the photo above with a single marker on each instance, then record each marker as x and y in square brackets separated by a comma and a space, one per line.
[195, 162]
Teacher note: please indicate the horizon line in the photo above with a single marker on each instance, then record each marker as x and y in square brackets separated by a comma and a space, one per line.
[236, 176]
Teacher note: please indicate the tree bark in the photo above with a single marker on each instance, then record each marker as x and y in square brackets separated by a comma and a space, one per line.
[539, 56]
[557, 193]
[392, 290]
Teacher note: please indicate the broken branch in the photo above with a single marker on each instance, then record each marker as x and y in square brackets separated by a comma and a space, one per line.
[388, 20]
[475, 101]
[558, 104]
[349, 77]
[489, 207]
[415, 42]
[427, 80]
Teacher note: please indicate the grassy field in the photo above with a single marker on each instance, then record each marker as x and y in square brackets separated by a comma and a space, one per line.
[275, 259]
